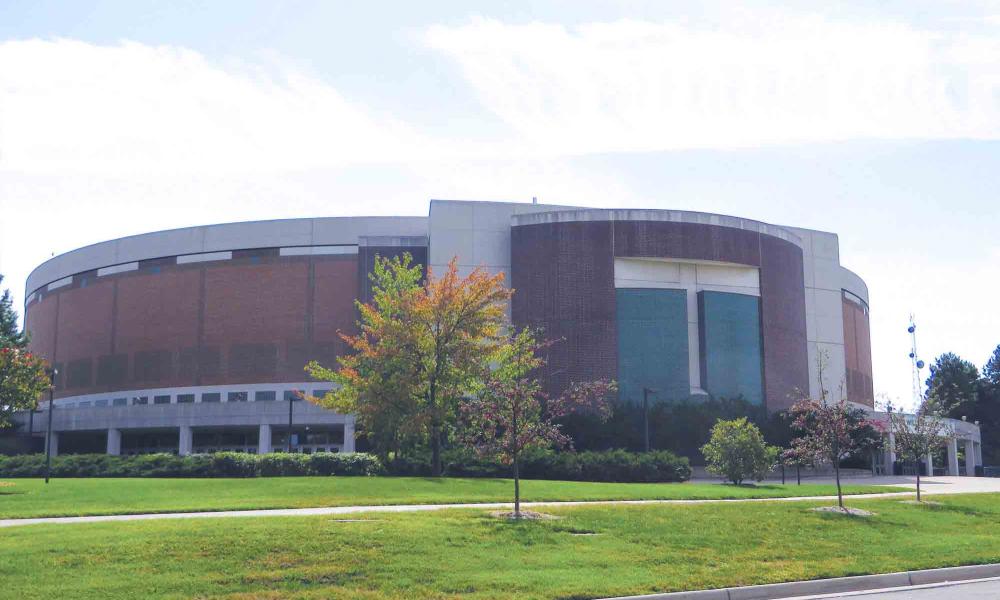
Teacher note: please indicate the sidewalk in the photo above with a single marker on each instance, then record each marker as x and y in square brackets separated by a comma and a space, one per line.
[933, 485]
[399, 508]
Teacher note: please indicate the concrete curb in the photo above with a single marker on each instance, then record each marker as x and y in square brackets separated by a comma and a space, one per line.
[835, 585]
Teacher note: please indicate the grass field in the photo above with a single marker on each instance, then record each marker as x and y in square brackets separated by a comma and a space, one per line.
[70, 497]
[591, 552]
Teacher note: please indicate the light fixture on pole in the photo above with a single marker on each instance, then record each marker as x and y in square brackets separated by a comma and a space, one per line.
[645, 415]
[53, 372]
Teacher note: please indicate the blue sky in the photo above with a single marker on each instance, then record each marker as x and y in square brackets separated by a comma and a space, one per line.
[879, 121]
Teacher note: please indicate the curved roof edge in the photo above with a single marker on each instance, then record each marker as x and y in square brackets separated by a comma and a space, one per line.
[221, 237]
[852, 282]
[675, 216]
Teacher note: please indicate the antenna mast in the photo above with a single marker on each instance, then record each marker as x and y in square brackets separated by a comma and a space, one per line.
[917, 364]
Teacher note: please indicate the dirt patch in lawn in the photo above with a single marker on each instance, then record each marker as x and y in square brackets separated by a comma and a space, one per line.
[854, 512]
[526, 515]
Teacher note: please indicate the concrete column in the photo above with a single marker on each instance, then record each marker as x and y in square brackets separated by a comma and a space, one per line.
[115, 441]
[185, 442]
[970, 458]
[349, 434]
[979, 453]
[930, 464]
[890, 452]
[264, 440]
[53, 438]
[953, 457]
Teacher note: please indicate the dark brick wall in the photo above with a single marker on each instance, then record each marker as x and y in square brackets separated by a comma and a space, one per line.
[858, 353]
[256, 318]
[563, 277]
[156, 316]
[563, 274]
[783, 322]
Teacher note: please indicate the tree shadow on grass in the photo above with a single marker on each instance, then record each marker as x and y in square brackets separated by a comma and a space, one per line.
[953, 508]
[756, 486]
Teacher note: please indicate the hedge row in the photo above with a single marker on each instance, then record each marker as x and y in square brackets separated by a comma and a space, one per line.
[607, 465]
[220, 464]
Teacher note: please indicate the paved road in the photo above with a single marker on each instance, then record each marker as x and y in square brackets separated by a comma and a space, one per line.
[984, 589]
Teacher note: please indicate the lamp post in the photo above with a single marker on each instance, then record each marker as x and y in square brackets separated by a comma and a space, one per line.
[645, 415]
[53, 372]
[291, 398]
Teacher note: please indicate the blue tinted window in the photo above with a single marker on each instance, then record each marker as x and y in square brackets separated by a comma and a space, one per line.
[730, 345]
[652, 344]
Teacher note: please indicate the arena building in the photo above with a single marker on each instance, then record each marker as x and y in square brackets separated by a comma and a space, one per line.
[195, 339]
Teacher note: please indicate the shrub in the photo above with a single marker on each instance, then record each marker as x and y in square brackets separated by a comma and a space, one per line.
[221, 464]
[281, 464]
[356, 463]
[737, 451]
[234, 464]
[608, 465]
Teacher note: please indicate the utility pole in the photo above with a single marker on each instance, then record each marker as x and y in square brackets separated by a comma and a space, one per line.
[48, 433]
[645, 416]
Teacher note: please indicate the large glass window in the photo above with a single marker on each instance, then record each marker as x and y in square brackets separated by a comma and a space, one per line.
[730, 346]
[211, 397]
[263, 396]
[652, 344]
[236, 397]
[185, 398]
[161, 399]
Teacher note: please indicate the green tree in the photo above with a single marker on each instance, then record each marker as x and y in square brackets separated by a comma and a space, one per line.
[420, 348]
[11, 335]
[374, 382]
[22, 381]
[953, 386]
[737, 451]
[991, 372]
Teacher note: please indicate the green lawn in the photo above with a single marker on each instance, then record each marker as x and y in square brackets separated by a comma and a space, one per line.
[66, 497]
[465, 553]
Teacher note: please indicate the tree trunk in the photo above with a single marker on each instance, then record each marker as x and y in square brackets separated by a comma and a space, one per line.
[436, 450]
[517, 488]
[918, 481]
[840, 495]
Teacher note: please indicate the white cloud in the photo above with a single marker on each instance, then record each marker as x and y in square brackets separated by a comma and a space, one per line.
[67, 105]
[639, 86]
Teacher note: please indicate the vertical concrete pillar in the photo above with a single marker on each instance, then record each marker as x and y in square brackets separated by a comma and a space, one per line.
[953, 457]
[930, 464]
[890, 453]
[970, 458]
[52, 439]
[979, 453]
[264, 440]
[349, 434]
[114, 441]
[185, 441]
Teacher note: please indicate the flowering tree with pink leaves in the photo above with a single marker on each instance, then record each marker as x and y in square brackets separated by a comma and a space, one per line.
[511, 413]
[22, 381]
[831, 432]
